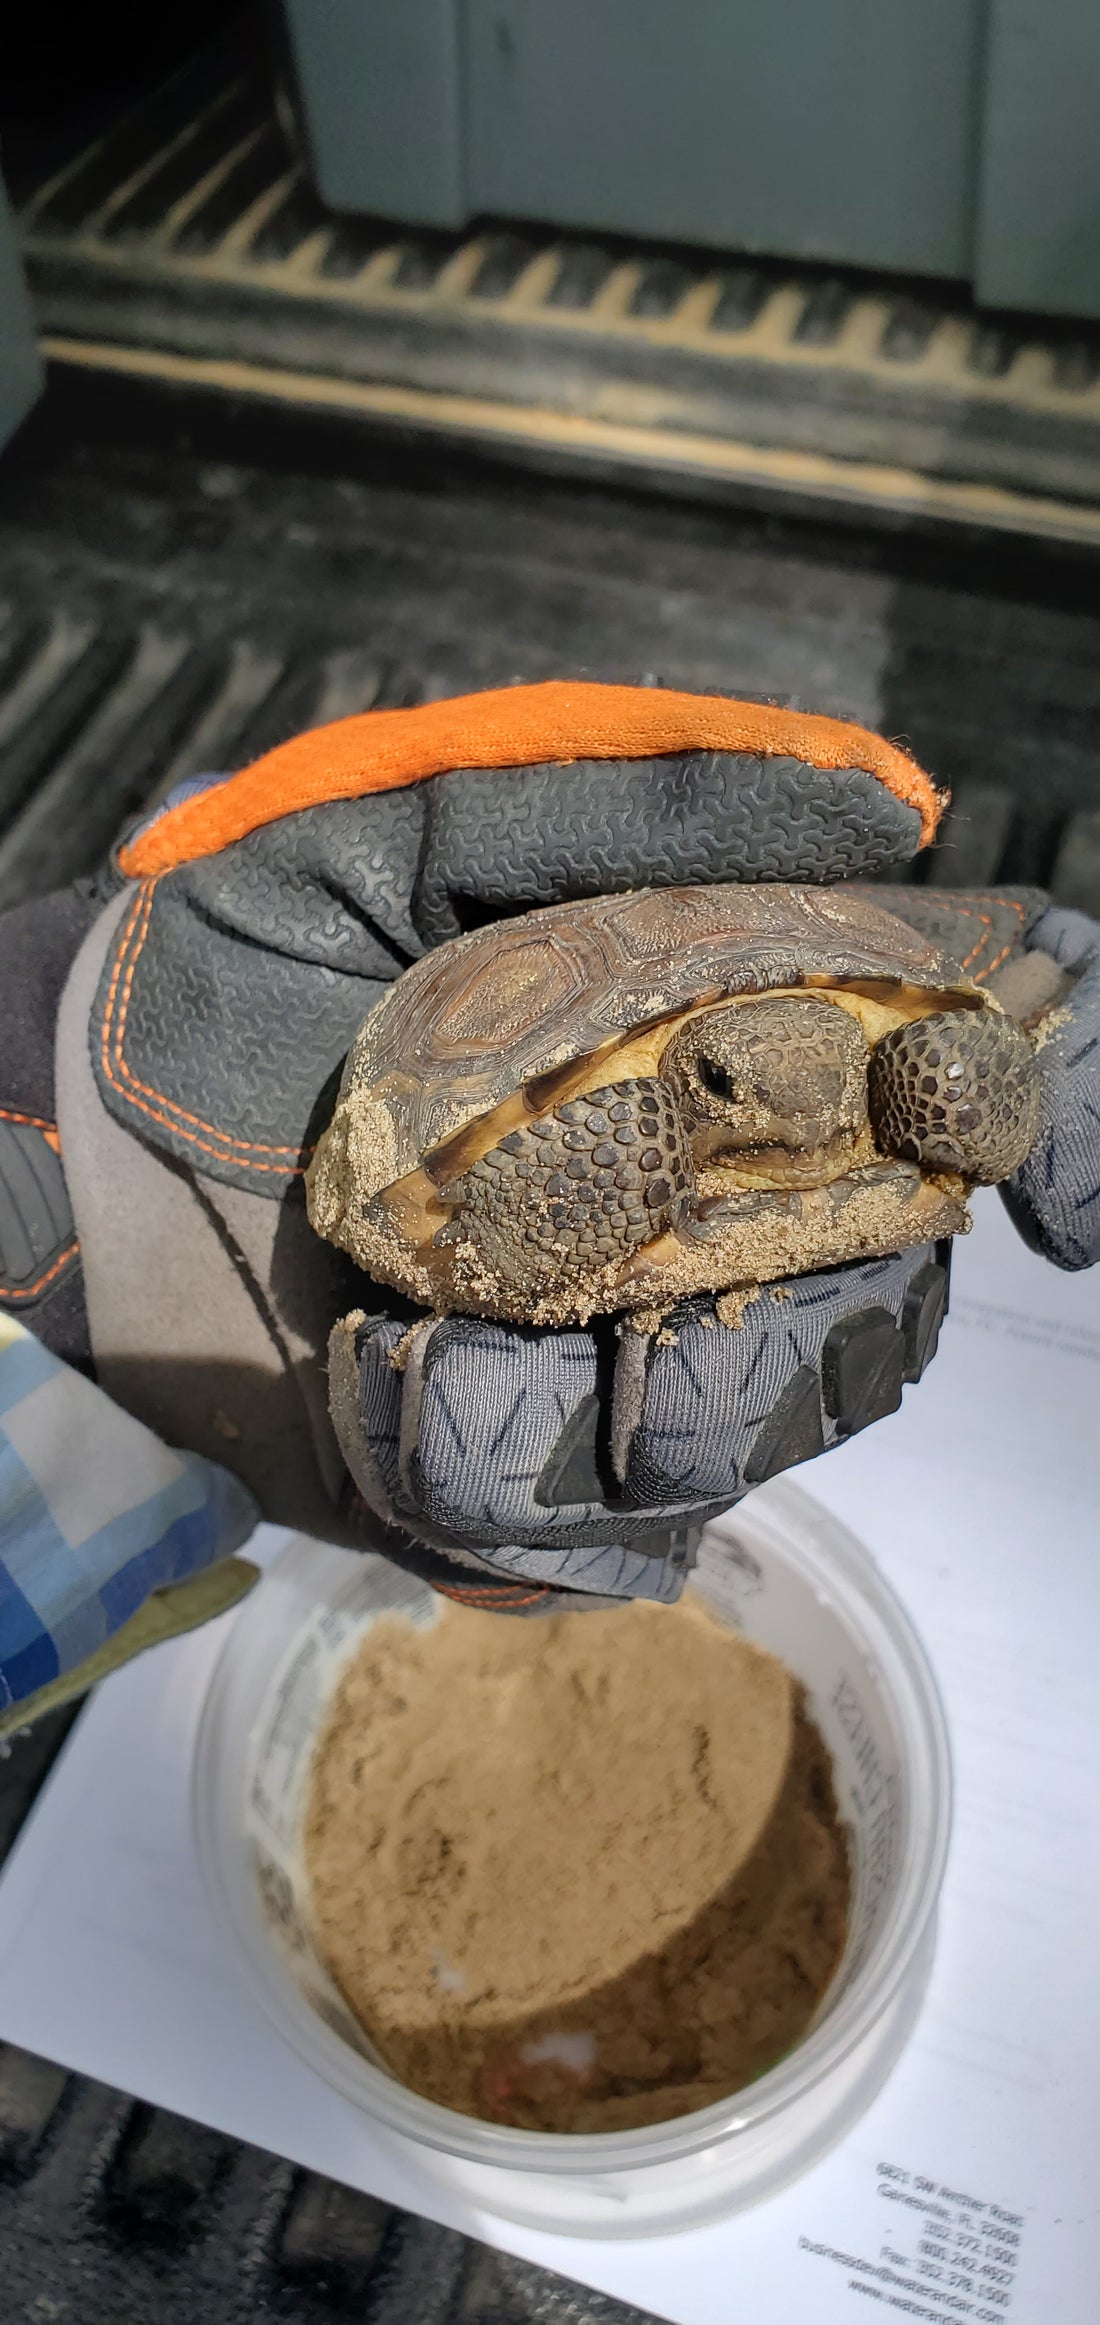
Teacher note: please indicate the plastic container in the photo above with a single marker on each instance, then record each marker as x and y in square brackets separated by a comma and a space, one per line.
[782, 1571]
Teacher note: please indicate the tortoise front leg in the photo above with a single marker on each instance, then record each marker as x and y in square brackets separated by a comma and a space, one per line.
[956, 1092]
[576, 1190]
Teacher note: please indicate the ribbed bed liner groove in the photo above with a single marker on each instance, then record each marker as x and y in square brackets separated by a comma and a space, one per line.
[187, 245]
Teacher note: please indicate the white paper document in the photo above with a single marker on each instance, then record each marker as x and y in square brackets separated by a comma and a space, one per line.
[971, 2188]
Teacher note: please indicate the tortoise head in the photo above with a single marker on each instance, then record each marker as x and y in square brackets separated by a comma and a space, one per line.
[784, 1074]
[791, 1080]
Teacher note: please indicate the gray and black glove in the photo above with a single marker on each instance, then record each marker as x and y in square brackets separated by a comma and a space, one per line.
[200, 1041]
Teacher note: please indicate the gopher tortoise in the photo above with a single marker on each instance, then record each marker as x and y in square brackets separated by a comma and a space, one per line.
[607, 1104]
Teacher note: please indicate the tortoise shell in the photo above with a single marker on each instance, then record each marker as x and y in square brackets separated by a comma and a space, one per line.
[493, 1011]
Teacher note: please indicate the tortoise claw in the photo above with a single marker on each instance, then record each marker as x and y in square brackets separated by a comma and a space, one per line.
[956, 1092]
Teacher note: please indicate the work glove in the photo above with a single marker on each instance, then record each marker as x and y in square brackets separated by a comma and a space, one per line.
[203, 1025]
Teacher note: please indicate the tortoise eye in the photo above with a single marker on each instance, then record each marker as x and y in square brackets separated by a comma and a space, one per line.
[714, 1077]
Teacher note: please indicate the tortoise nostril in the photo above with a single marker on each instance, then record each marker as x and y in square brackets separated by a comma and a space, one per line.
[714, 1077]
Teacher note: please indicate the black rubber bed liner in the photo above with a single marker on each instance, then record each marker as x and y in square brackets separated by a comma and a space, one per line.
[186, 244]
[182, 584]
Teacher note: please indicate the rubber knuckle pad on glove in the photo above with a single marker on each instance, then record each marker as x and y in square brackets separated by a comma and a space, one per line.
[468, 1435]
[491, 1435]
[421, 1454]
[726, 1407]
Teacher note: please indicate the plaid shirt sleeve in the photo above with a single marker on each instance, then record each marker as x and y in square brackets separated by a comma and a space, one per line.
[95, 1514]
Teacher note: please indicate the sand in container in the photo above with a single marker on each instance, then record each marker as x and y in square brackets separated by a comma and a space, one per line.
[575, 1874]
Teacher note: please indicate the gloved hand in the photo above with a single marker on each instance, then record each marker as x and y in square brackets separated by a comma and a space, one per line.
[200, 1040]
[519, 1441]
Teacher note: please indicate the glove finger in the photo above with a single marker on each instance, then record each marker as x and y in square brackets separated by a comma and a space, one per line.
[1054, 1198]
[659, 738]
[492, 1440]
[705, 1410]
[502, 1434]
[365, 1389]
[463, 1432]
[510, 839]
[483, 1446]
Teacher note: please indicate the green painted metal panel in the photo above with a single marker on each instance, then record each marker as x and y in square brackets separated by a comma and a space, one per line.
[938, 137]
[844, 131]
[826, 129]
[1038, 240]
[379, 83]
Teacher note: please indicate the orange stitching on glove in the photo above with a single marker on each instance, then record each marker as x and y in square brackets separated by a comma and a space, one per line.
[975, 949]
[513, 726]
[34, 1122]
[995, 963]
[30, 1291]
[500, 1597]
[246, 1150]
[970, 912]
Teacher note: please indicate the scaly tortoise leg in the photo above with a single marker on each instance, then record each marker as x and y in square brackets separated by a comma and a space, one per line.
[577, 1189]
[956, 1092]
